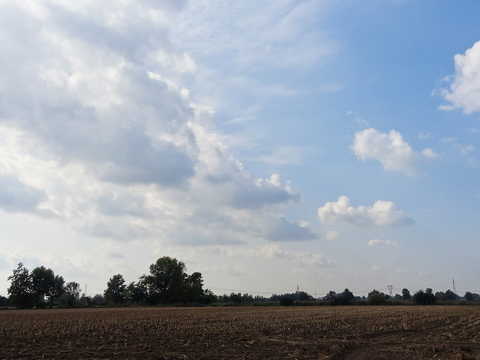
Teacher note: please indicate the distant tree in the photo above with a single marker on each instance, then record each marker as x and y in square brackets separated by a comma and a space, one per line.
[332, 297]
[98, 300]
[208, 297]
[137, 293]
[375, 297]
[304, 296]
[71, 294]
[46, 285]
[236, 298]
[115, 291]
[346, 297]
[468, 296]
[194, 288]
[21, 288]
[424, 297]
[440, 296]
[4, 302]
[450, 295]
[58, 289]
[286, 301]
[406, 294]
[167, 281]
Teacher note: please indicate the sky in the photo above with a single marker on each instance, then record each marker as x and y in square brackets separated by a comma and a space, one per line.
[266, 144]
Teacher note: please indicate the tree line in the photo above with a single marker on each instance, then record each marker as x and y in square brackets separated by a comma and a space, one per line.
[169, 283]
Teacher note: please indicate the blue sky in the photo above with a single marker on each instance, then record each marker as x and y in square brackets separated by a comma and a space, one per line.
[328, 144]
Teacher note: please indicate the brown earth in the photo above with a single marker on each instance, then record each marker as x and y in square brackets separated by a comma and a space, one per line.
[389, 332]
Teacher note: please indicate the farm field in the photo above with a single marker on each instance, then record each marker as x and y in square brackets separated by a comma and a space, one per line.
[389, 332]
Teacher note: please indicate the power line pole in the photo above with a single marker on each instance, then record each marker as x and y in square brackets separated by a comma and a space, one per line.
[454, 289]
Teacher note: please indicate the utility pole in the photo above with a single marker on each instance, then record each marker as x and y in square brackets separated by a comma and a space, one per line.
[454, 289]
[390, 290]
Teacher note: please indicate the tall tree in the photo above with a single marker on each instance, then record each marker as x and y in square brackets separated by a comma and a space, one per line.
[167, 280]
[43, 281]
[406, 294]
[115, 291]
[72, 293]
[21, 288]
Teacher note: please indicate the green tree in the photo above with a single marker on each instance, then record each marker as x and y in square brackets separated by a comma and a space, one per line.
[468, 296]
[375, 297]
[424, 297]
[116, 289]
[21, 288]
[406, 294]
[167, 281]
[450, 295]
[71, 294]
[137, 293]
[194, 284]
[46, 285]
[346, 297]
[58, 289]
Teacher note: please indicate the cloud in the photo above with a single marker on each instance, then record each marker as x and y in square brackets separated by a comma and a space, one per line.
[288, 231]
[423, 135]
[387, 243]
[464, 87]
[429, 154]
[96, 130]
[390, 149]
[16, 196]
[382, 213]
[300, 259]
[331, 235]
[447, 140]
[465, 149]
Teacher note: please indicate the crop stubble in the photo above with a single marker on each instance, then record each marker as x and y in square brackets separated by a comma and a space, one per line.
[390, 332]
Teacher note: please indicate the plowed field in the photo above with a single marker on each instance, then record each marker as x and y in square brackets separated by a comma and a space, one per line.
[404, 332]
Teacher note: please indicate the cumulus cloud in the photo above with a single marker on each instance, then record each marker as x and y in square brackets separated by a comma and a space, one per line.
[376, 242]
[381, 213]
[464, 88]
[390, 149]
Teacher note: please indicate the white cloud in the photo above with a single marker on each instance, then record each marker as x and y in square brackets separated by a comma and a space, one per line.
[300, 259]
[376, 242]
[331, 235]
[288, 231]
[382, 213]
[362, 123]
[429, 154]
[96, 131]
[423, 135]
[465, 149]
[464, 89]
[447, 140]
[390, 149]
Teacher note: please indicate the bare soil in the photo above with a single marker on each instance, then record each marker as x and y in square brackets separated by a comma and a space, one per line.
[389, 332]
